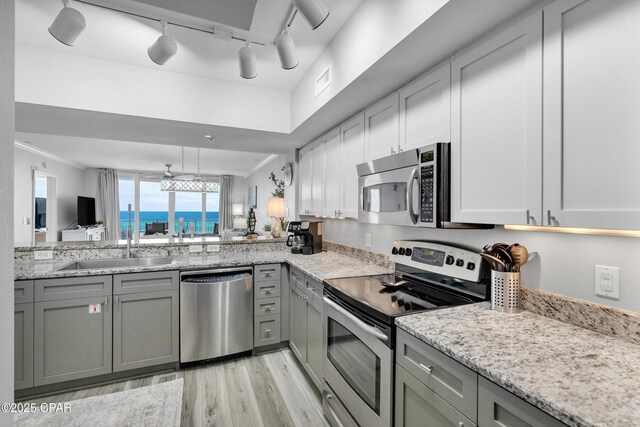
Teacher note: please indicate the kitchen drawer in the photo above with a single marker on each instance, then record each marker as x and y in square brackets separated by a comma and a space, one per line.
[23, 291]
[417, 405]
[266, 289]
[296, 277]
[313, 288]
[266, 330]
[455, 383]
[146, 282]
[73, 287]
[499, 408]
[263, 307]
[266, 273]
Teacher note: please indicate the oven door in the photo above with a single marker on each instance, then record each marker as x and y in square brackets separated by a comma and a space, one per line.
[358, 365]
[390, 197]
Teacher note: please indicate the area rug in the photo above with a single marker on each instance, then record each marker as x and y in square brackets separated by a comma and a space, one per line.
[152, 406]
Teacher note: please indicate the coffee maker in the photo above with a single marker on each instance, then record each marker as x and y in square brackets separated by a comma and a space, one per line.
[305, 237]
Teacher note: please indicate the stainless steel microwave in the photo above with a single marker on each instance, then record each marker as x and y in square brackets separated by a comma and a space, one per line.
[411, 188]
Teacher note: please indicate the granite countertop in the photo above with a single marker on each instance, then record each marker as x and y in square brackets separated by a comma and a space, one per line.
[152, 243]
[578, 376]
[325, 265]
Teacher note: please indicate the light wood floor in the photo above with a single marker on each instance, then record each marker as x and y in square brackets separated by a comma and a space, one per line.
[266, 390]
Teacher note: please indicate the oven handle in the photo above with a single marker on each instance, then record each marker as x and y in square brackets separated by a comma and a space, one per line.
[414, 177]
[369, 329]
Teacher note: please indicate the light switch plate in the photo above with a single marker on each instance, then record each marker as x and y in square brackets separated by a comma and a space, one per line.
[607, 281]
[194, 249]
[367, 239]
[40, 255]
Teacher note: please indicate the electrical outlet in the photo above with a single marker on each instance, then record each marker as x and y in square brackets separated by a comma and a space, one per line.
[607, 281]
[39, 255]
[367, 239]
[193, 249]
[213, 248]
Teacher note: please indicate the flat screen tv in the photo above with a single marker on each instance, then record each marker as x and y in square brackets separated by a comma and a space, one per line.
[86, 211]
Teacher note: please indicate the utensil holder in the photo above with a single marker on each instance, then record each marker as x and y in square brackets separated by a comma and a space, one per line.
[505, 291]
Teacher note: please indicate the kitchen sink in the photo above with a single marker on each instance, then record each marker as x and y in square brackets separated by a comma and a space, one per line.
[117, 262]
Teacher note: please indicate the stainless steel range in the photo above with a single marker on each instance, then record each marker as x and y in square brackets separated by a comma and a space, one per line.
[359, 315]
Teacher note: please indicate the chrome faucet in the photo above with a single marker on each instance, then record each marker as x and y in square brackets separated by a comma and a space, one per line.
[129, 233]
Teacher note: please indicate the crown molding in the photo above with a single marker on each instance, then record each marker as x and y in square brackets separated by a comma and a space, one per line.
[30, 148]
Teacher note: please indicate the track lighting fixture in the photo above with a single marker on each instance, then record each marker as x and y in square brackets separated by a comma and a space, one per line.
[248, 69]
[286, 50]
[68, 24]
[314, 11]
[163, 48]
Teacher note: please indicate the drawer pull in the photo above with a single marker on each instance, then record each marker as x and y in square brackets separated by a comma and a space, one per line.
[429, 369]
[460, 424]
[267, 291]
[267, 332]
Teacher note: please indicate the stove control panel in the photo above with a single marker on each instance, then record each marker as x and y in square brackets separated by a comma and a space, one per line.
[438, 258]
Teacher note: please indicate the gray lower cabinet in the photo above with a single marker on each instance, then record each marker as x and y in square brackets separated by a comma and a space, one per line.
[499, 408]
[297, 323]
[23, 346]
[417, 405]
[267, 313]
[72, 339]
[145, 329]
[305, 325]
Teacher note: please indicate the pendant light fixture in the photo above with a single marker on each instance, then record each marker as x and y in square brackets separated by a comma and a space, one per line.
[286, 50]
[188, 183]
[163, 48]
[314, 11]
[248, 69]
[68, 24]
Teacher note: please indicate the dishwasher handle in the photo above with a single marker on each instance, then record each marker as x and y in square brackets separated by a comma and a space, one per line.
[221, 270]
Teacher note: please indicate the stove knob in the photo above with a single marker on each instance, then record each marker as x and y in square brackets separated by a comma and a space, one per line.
[460, 262]
[471, 266]
[401, 251]
[408, 252]
[450, 259]
[394, 251]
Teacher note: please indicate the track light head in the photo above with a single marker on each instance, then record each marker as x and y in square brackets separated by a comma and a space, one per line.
[68, 24]
[314, 11]
[164, 48]
[286, 50]
[247, 58]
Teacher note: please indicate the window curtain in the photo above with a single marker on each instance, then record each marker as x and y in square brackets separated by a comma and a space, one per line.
[108, 194]
[226, 202]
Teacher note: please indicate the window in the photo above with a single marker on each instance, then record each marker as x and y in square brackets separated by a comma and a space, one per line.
[213, 212]
[154, 208]
[199, 209]
[126, 188]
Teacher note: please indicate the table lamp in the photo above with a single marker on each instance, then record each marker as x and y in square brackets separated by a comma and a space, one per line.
[276, 209]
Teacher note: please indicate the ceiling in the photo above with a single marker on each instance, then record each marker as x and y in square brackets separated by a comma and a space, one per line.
[129, 156]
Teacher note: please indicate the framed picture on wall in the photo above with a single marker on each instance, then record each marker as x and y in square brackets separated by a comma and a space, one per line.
[253, 197]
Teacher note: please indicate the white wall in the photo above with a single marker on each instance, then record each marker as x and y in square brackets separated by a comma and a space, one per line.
[75, 81]
[7, 120]
[70, 184]
[265, 187]
[565, 264]
[373, 29]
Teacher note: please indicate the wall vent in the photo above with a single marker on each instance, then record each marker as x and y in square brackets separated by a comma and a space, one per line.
[323, 81]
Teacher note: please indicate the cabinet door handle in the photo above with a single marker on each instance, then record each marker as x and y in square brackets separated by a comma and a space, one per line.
[106, 302]
[393, 151]
[429, 369]
[531, 220]
[551, 219]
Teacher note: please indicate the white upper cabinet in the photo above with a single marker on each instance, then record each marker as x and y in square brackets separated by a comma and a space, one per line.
[591, 105]
[317, 177]
[351, 155]
[496, 128]
[305, 178]
[425, 109]
[333, 183]
[381, 128]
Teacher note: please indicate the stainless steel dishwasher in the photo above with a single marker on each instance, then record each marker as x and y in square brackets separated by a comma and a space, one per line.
[216, 313]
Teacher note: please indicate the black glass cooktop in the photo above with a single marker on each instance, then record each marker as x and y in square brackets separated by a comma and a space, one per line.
[388, 296]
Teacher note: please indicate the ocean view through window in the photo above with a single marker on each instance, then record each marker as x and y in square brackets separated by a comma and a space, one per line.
[154, 218]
